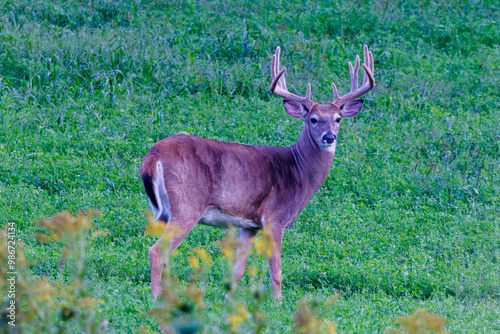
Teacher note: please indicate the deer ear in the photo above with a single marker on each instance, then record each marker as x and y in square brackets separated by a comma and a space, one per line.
[351, 109]
[295, 109]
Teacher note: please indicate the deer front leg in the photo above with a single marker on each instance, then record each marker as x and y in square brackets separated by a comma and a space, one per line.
[275, 262]
[246, 238]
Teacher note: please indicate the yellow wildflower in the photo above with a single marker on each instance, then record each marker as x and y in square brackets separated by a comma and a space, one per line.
[239, 317]
[160, 229]
[194, 263]
[259, 246]
[264, 243]
[229, 245]
[252, 271]
[155, 228]
[205, 258]
[173, 230]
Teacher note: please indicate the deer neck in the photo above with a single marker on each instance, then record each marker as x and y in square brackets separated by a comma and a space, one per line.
[312, 163]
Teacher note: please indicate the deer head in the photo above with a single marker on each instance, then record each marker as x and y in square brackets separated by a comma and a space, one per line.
[322, 121]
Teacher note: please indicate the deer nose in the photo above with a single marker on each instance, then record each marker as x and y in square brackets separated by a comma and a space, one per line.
[328, 138]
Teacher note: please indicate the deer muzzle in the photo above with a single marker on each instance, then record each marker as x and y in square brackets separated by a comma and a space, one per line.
[328, 138]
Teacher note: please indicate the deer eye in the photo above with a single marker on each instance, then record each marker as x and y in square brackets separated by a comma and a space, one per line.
[314, 120]
[338, 120]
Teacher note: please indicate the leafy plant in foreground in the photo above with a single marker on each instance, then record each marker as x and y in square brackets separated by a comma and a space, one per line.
[307, 317]
[43, 306]
[182, 309]
[419, 322]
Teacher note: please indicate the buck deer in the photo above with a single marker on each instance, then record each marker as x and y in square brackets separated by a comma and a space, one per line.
[191, 180]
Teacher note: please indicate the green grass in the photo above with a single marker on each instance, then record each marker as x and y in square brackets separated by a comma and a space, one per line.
[408, 217]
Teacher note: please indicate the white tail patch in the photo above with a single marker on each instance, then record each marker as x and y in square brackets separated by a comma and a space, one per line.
[161, 195]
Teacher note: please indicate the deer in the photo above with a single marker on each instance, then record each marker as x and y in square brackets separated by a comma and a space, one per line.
[191, 180]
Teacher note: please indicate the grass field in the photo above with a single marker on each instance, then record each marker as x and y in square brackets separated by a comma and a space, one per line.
[407, 219]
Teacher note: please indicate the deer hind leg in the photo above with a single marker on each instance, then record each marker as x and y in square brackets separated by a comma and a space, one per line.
[156, 264]
[158, 254]
[246, 238]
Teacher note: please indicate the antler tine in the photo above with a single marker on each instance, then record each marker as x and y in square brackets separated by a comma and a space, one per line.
[368, 59]
[335, 92]
[276, 80]
[354, 74]
[278, 85]
[368, 80]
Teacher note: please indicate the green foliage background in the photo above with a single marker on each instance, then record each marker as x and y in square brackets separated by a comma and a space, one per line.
[409, 216]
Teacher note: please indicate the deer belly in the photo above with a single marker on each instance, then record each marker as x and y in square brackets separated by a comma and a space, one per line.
[213, 217]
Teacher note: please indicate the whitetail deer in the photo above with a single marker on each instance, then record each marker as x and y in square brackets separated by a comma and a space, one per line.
[191, 180]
